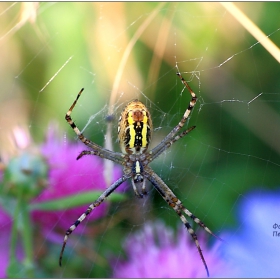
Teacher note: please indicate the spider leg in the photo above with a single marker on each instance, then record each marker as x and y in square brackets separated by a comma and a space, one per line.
[169, 139]
[98, 153]
[195, 219]
[97, 150]
[162, 187]
[101, 198]
[165, 145]
[178, 207]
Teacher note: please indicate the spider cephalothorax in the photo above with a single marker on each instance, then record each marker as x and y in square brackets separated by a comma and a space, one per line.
[134, 133]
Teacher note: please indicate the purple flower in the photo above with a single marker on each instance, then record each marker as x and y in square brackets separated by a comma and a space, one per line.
[6, 226]
[254, 247]
[154, 253]
[21, 141]
[68, 176]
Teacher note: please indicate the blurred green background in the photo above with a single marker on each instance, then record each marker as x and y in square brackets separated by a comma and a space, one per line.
[49, 51]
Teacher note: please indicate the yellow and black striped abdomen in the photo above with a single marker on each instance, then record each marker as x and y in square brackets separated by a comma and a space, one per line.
[134, 130]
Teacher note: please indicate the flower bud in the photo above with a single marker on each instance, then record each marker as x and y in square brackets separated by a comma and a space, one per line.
[25, 175]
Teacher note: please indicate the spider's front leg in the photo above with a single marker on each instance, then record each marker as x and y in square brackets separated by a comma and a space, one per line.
[102, 197]
[179, 208]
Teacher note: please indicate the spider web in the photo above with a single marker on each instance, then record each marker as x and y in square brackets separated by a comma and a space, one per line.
[50, 51]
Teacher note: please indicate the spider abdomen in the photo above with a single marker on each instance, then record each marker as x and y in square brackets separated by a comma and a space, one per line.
[134, 130]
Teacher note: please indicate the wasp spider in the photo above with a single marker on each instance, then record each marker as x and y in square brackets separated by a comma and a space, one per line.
[134, 133]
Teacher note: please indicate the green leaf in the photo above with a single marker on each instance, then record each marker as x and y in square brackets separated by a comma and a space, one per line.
[74, 201]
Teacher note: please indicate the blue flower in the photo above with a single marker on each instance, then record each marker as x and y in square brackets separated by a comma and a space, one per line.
[254, 248]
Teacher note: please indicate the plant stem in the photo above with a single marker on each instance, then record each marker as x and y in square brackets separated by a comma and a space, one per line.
[27, 239]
